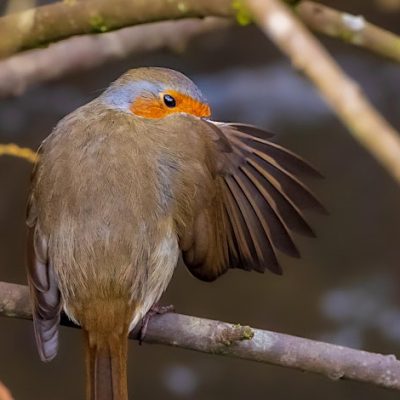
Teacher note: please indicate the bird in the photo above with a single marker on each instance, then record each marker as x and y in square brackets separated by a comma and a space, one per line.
[130, 182]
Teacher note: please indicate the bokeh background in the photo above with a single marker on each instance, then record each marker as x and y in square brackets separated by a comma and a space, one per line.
[346, 287]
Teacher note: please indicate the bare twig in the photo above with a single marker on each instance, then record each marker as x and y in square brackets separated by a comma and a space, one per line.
[42, 25]
[343, 95]
[350, 28]
[14, 150]
[243, 342]
[86, 52]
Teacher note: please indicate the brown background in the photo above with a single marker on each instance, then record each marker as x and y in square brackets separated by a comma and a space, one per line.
[344, 290]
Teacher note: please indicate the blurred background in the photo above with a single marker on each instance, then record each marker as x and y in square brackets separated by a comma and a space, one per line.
[346, 287]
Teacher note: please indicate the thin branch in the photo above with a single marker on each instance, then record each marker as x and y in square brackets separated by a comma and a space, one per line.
[42, 25]
[86, 52]
[350, 28]
[14, 150]
[342, 93]
[48, 23]
[214, 337]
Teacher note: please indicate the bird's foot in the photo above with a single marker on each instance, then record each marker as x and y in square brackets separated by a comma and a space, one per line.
[156, 309]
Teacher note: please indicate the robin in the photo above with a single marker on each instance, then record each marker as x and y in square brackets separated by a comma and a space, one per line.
[127, 183]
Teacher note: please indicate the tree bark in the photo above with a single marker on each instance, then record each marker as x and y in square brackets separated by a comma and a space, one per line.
[234, 340]
[86, 52]
[42, 25]
[352, 29]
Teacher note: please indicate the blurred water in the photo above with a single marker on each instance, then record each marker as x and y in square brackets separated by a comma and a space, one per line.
[362, 307]
[180, 380]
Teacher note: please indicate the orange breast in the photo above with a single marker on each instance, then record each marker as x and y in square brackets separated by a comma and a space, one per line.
[155, 108]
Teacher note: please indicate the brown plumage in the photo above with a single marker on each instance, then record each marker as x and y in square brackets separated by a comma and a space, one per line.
[121, 190]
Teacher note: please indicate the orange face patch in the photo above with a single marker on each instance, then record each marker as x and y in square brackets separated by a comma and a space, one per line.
[156, 108]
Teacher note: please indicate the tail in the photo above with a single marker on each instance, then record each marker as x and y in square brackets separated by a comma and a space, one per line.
[106, 367]
[106, 357]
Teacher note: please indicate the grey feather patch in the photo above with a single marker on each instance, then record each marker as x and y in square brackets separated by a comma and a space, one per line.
[45, 295]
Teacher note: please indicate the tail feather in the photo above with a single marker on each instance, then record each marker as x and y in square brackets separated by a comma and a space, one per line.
[106, 369]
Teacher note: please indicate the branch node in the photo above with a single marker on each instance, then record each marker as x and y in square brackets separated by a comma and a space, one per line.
[335, 375]
[355, 23]
[234, 333]
[243, 15]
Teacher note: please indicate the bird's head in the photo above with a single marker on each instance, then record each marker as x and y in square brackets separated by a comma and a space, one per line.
[155, 93]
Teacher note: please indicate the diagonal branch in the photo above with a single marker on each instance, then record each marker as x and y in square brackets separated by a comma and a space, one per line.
[81, 53]
[88, 51]
[243, 342]
[342, 93]
[52, 22]
[349, 28]
[45, 24]
[14, 150]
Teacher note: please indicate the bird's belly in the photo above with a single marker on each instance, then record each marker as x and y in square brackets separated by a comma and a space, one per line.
[136, 267]
[161, 265]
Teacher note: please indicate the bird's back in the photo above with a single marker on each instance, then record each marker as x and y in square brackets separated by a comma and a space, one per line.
[103, 198]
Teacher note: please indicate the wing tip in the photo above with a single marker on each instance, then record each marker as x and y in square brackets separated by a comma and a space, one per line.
[320, 209]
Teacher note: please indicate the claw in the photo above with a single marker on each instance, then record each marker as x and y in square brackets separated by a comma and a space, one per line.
[154, 310]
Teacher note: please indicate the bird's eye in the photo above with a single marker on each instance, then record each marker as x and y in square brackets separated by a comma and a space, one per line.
[169, 101]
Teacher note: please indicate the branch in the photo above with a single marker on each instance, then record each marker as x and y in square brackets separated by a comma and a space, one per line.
[45, 24]
[14, 150]
[87, 52]
[342, 93]
[207, 336]
[48, 23]
[350, 28]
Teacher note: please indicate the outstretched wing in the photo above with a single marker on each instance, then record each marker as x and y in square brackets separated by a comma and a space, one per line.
[260, 201]
[46, 301]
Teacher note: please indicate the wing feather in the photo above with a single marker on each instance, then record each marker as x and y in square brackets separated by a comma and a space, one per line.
[44, 290]
[260, 201]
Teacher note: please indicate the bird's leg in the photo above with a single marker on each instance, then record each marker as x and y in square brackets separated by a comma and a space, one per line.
[156, 309]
